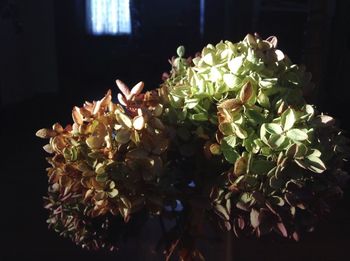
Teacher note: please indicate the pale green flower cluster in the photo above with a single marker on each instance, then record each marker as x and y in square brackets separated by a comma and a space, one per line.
[246, 101]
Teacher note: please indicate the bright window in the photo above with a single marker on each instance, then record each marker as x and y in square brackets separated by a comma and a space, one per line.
[108, 17]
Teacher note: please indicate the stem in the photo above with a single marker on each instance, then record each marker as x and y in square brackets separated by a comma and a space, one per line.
[229, 249]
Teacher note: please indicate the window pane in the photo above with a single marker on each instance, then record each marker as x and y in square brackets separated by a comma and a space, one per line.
[108, 17]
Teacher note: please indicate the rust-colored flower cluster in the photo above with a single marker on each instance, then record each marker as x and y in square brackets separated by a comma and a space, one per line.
[108, 161]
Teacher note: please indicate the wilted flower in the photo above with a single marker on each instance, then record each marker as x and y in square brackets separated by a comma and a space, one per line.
[108, 159]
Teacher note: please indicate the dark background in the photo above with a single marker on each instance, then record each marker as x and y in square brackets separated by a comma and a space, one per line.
[48, 64]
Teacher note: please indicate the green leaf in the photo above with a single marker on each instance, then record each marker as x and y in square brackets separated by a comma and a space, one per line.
[273, 128]
[288, 119]
[191, 103]
[266, 151]
[275, 182]
[307, 112]
[100, 169]
[278, 142]
[314, 152]
[261, 167]
[250, 145]
[180, 51]
[268, 83]
[180, 92]
[251, 180]
[302, 163]
[221, 211]
[122, 136]
[102, 177]
[316, 164]
[301, 151]
[263, 100]
[230, 154]
[199, 117]
[297, 135]
[291, 150]
[277, 201]
[254, 116]
[226, 128]
[70, 153]
[263, 134]
[239, 131]
[231, 140]
[246, 197]
[113, 193]
[309, 109]
[258, 142]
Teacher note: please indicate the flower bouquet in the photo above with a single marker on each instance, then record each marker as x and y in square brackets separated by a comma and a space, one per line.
[227, 137]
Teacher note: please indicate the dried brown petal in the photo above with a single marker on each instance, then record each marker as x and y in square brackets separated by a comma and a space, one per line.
[246, 92]
[251, 40]
[58, 143]
[48, 148]
[264, 45]
[112, 107]
[57, 128]
[100, 196]
[45, 133]
[123, 119]
[279, 55]
[88, 194]
[138, 122]
[122, 100]
[231, 104]
[95, 142]
[240, 166]
[97, 107]
[65, 181]
[137, 89]
[123, 88]
[76, 115]
[105, 101]
[273, 41]
[215, 149]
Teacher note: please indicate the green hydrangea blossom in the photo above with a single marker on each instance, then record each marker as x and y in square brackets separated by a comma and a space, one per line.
[247, 97]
